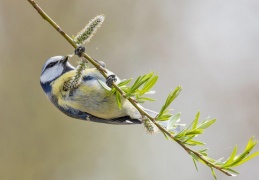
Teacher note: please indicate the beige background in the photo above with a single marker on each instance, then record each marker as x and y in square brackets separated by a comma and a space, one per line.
[211, 48]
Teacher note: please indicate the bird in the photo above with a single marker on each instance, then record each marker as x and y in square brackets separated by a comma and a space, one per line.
[88, 101]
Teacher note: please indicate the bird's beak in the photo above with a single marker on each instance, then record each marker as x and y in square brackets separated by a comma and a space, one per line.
[64, 59]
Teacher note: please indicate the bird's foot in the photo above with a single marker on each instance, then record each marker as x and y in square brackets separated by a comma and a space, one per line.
[79, 51]
[110, 80]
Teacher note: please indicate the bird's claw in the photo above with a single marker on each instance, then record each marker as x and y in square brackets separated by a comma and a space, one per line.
[110, 79]
[79, 51]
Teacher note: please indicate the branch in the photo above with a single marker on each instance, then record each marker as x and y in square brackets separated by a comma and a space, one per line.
[195, 154]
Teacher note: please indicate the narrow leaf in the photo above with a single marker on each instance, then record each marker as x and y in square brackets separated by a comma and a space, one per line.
[232, 171]
[166, 136]
[195, 164]
[173, 120]
[104, 85]
[250, 145]
[248, 158]
[140, 81]
[195, 143]
[194, 156]
[170, 99]
[195, 122]
[213, 173]
[231, 158]
[134, 86]
[205, 124]
[118, 99]
[193, 132]
[124, 82]
[112, 91]
[173, 95]
[203, 152]
[143, 99]
[164, 117]
[148, 85]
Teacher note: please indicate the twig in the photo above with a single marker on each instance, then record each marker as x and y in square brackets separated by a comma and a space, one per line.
[132, 101]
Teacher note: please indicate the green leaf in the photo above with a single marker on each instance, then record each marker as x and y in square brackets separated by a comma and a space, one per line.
[194, 156]
[104, 85]
[165, 135]
[193, 132]
[144, 99]
[195, 122]
[205, 124]
[194, 143]
[148, 85]
[212, 161]
[124, 82]
[242, 158]
[180, 134]
[213, 173]
[232, 171]
[112, 91]
[172, 96]
[203, 152]
[118, 99]
[140, 81]
[231, 158]
[173, 120]
[125, 89]
[248, 158]
[170, 99]
[164, 117]
[251, 143]
[195, 164]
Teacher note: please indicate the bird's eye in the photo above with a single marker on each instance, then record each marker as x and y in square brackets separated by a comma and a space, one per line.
[50, 65]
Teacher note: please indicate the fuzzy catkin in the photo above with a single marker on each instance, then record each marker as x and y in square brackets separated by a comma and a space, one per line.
[77, 79]
[89, 30]
[150, 127]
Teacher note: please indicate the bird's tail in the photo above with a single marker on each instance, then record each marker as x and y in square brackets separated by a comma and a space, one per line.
[150, 112]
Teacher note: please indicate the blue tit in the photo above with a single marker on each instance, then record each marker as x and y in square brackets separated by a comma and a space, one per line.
[88, 101]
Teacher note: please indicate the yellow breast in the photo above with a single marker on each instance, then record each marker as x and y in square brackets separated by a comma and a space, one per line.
[89, 96]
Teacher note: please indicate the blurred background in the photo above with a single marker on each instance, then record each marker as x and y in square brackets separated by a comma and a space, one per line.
[211, 48]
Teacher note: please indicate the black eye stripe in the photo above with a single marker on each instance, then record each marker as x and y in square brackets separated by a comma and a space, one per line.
[51, 65]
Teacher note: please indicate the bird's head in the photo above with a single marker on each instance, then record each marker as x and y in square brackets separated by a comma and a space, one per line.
[53, 69]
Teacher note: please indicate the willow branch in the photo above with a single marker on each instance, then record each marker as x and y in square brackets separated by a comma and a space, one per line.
[132, 101]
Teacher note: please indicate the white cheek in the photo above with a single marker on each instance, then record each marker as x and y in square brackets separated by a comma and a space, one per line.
[51, 74]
